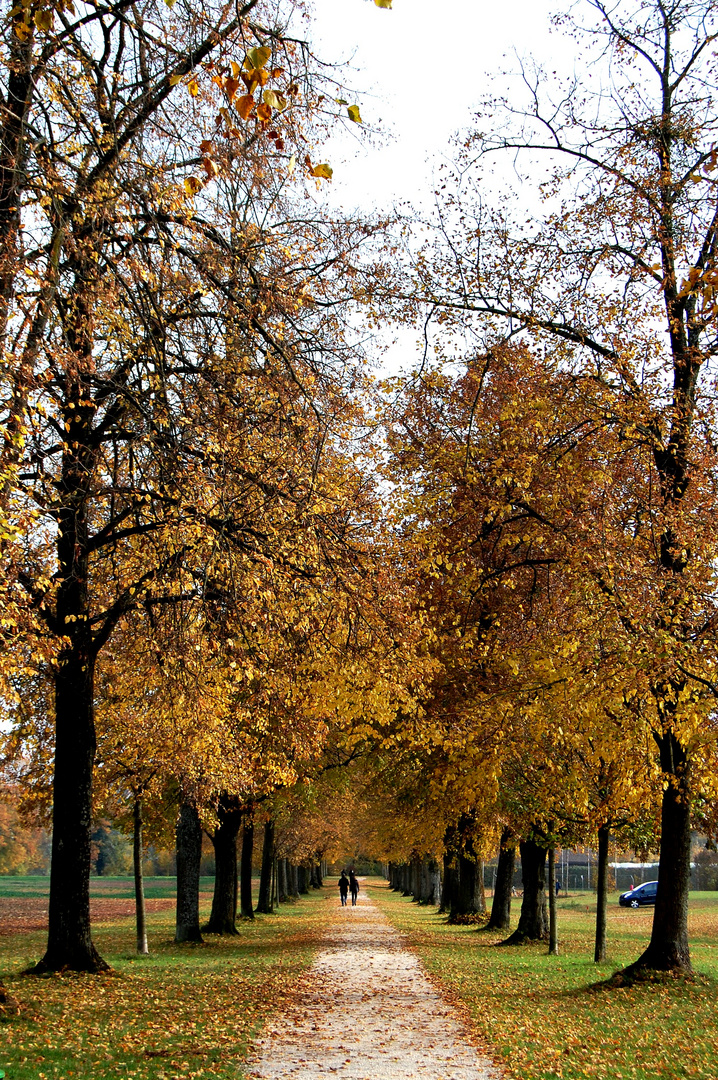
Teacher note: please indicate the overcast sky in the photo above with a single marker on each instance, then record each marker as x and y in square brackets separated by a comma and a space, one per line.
[422, 66]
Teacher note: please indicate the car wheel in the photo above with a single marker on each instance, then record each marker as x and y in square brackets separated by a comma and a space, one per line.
[634, 903]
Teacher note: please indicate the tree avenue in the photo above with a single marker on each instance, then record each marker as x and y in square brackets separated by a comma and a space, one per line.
[619, 279]
[242, 583]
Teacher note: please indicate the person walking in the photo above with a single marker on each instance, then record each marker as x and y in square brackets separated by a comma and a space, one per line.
[354, 887]
[344, 887]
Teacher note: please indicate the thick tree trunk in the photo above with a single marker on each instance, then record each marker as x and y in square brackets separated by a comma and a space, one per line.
[668, 948]
[69, 944]
[552, 923]
[264, 902]
[533, 921]
[501, 907]
[320, 876]
[293, 880]
[246, 904]
[189, 855]
[302, 886]
[137, 856]
[416, 878]
[222, 919]
[604, 836]
[466, 894]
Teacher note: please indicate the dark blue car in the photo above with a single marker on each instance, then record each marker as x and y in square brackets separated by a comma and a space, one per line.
[640, 896]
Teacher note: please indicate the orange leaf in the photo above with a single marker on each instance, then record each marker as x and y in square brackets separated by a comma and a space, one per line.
[245, 105]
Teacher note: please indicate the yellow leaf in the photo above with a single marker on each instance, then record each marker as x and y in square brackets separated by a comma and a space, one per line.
[383, 3]
[44, 19]
[193, 88]
[353, 114]
[322, 172]
[174, 79]
[264, 112]
[271, 98]
[257, 58]
[291, 165]
[192, 185]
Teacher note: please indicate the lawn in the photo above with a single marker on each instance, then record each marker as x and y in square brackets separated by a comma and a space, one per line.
[538, 1016]
[184, 1011]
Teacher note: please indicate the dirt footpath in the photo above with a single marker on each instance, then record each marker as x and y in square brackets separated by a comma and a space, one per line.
[369, 1012]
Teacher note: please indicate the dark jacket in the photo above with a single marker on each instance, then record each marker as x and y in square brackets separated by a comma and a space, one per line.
[343, 884]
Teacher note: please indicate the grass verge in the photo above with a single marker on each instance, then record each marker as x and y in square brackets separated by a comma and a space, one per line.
[538, 1016]
[184, 1011]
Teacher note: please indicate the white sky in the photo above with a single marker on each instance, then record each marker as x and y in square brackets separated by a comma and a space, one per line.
[421, 67]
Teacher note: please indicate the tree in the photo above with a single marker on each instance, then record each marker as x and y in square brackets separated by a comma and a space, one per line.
[139, 437]
[623, 271]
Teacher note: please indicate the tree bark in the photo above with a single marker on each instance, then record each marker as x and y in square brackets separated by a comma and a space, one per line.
[447, 892]
[668, 948]
[552, 924]
[69, 944]
[604, 836]
[533, 922]
[264, 901]
[282, 889]
[223, 917]
[189, 855]
[501, 906]
[302, 886]
[137, 855]
[246, 904]
[293, 880]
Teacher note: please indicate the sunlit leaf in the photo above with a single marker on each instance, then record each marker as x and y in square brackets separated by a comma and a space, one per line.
[245, 106]
[264, 112]
[193, 87]
[322, 172]
[354, 114]
[257, 58]
[383, 3]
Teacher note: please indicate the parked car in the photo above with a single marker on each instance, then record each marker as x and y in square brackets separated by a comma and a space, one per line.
[641, 895]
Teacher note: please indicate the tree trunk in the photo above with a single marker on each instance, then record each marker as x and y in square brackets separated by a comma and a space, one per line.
[434, 896]
[189, 855]
[604, 836]
[320, 877]
[222, 919]
[501, 907]
[447, 893]
[69, 944]
[552, 925]
[246, 905]
[264, 902]
[282, 890]
[533, 923]
[302, 886]
[137, 854]
[293, 880]
[465, 894]
[668, 948]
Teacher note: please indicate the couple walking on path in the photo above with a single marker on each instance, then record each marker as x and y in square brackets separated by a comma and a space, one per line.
[348, 885]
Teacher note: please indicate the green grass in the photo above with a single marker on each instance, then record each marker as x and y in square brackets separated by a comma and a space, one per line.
[36, 885]
[184, 1011]
[537, 1015]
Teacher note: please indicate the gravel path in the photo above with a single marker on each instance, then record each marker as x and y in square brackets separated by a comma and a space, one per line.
[369, 1012]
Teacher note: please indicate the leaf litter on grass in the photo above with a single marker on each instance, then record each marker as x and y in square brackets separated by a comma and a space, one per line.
[540, 1015]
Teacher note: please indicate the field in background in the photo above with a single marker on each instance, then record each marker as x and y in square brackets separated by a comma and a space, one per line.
[538, 1015]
